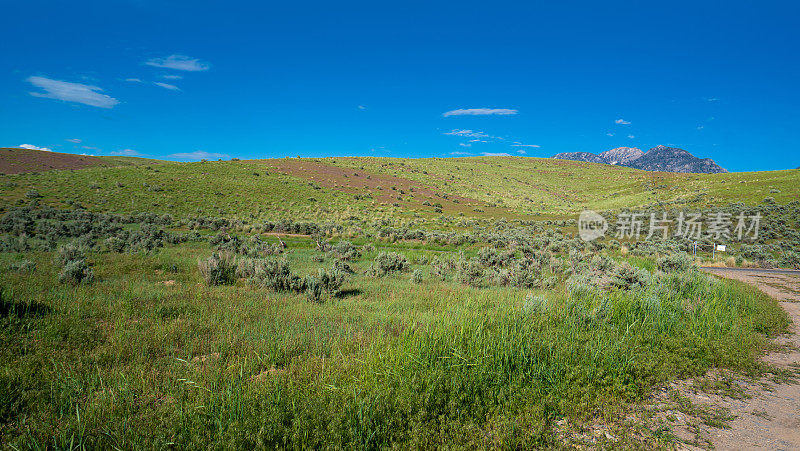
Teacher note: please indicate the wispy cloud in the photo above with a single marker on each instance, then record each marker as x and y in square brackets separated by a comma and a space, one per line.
[700, 127]
[465, 144]
[468, 133]
[32, 147]
[167, 86]
[179, 62]
[172, 77]
[198, 155]
[74, 140]
[126, 153]
[622, 122]
[493, 154]
[631, 136]
[712, 99]
[134, 80]
[362, 107]
[525, 145]
[480, 112]
[521, 152]
[460, 153]
[71, 92]
[609, 134]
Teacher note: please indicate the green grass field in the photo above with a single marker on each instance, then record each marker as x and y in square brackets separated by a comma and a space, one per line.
[491, 331]
[507, 187]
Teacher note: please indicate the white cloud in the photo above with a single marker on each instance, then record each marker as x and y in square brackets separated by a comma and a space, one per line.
[460, 153]
[480, 112]
[468, 133]
[622, 122]
[179, 62]
[609, 134]
[126, 153]
[199, 155]
[32, 147]
[492, 154]
[134, 80]
[712, 99]
[90, 148]
[167, 86]
[172, 77]
[521, 152]
[362, 107]
[631, 136]
[71, 92]
[74, 140]
[525, 145]
[465, 144]
[700, 127]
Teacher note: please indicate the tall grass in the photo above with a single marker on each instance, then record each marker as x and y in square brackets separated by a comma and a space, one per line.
[133, 362]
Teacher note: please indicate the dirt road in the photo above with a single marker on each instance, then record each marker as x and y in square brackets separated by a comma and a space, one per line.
[770, 418]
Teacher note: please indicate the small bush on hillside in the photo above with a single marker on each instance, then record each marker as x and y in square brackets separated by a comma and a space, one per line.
[76, 272]
[219, 269]
[679, 262]
[387, 263]
[275, 274]
[67, 253]
[442, 267]
[488, 256]
[332, 280]
[416, 276]
[345, 250]
[790, 259]
[470, 272]
[627, 277]
[534, 304]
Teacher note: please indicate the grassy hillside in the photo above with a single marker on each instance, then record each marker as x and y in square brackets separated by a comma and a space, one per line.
[362, 303]
[337, 188]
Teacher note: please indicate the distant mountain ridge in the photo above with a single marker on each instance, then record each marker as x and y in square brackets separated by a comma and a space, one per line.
[659, 158]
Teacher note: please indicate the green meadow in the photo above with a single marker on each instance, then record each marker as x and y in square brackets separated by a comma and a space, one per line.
[229, 305]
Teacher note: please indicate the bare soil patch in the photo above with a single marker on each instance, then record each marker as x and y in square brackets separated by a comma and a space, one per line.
[382, 188]
[17, 161]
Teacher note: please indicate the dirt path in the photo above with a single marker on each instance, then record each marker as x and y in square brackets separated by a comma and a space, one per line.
[767, 416]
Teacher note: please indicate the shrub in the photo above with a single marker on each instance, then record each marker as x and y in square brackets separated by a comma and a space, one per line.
[219, 269]
[115, 244]
[626, 277]
[534, 305]
[332, 280]
[442, 267]
[679, 262]
[76, 272]
[313, 289]
[275, 274]
[470, 272]
[416, 276]
[67, 253]
[388, 262]
[345, 250]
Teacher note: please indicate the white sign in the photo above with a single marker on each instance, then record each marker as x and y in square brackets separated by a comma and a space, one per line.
[720, 248]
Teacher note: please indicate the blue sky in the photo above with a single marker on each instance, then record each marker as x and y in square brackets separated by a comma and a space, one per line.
[186, 80]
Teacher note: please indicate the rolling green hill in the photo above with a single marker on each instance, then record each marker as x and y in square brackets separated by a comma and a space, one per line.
[337, 188]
